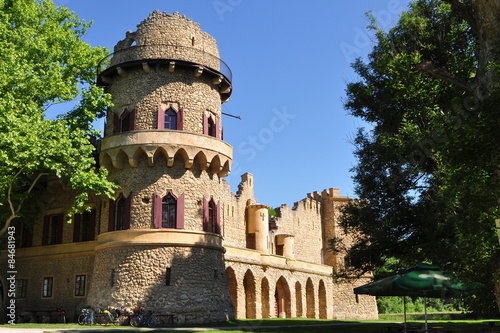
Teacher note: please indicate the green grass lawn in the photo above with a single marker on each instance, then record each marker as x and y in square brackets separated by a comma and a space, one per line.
[298, 325]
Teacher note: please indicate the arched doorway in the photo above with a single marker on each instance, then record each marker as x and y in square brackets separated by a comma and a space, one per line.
[233, 289]
[322, 300]
[298, 299]
[249, 285]
[264, 298]
[311, 312]
[282, 299]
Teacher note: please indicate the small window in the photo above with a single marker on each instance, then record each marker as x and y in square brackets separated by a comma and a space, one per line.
[170, 119]
[80, 285]
[168, 212]
[21, 286]
[112, 278]
[47, 286]
[168, 275]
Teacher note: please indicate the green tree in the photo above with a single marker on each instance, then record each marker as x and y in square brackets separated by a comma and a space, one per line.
[427, 171]
[45, 62]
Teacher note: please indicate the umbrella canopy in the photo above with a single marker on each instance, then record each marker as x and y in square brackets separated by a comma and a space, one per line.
[424, 280]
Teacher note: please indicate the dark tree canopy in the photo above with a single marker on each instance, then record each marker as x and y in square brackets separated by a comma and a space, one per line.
[427, 175]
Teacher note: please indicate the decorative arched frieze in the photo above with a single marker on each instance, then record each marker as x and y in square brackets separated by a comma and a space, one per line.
[189, 148]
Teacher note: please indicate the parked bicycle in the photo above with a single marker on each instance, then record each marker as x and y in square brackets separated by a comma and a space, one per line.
[86, 317]
[61, 317]
[149, 319]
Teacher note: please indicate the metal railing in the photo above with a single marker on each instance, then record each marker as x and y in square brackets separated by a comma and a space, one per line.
[164, 52]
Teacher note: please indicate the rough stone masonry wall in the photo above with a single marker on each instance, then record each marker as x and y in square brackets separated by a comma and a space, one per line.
[144, 181]
[133, 276]
[63, 269]
[234, 213]
[146, 91]
[304, 222]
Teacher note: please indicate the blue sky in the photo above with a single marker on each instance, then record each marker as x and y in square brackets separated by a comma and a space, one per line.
[290, 62]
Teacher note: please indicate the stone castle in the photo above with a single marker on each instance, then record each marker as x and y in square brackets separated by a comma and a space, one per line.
[175, 239]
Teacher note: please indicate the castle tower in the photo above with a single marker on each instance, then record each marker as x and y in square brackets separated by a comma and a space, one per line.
[160, 245]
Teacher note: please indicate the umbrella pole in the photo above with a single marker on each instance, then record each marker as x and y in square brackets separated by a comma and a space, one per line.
[404, 313]
[425, 313]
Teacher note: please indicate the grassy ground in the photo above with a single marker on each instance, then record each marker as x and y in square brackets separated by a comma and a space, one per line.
[286, 326]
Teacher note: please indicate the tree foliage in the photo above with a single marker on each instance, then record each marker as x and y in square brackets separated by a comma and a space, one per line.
[427, 171]
[46, 62]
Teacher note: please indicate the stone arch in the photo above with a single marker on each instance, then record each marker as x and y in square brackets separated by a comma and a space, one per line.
[250, 302]
[322, 300]
[160, 154]
[201, 160]
[215, 164]
[282, 299]
[121, 159]
[265, 299]
[298, 299]
[140, 154]
[106, 161]
[310, 308]
[233, 288]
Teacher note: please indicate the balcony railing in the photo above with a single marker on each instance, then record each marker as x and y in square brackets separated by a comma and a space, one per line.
[163, 52]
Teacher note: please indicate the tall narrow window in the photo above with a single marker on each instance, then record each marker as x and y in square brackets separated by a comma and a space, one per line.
[52, 229]
[47, 286]
[119, 213]
[211, 216]
[84, 226]
[168, 274]
[168, 212]
[80, 285]
[170, 119]
[211, 127]
[21, 286]
[125, 122]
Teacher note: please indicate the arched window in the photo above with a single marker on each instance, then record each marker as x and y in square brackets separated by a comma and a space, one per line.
[125, 122]
[211, 126]
[211, 216]
[170, 119]
[168, 212]
[119, 220]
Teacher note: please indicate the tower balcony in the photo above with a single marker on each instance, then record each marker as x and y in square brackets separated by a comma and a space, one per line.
[207, 152]
[171, 57]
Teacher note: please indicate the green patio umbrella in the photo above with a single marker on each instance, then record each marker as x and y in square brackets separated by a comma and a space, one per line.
[424, 280]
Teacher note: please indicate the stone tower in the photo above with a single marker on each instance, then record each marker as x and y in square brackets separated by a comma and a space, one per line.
[160, 245]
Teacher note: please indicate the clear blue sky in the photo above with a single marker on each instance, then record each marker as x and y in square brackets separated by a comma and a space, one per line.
[291, 62]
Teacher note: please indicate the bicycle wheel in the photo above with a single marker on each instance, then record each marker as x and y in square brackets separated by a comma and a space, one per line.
[61, 319]
[153, 321]
[136, 321]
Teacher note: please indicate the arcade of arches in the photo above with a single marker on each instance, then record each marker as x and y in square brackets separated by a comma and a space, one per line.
[266, 292]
